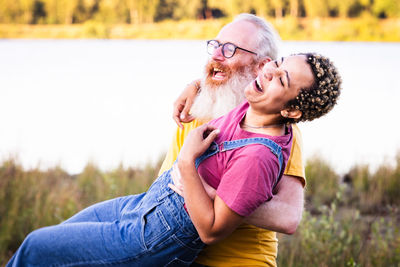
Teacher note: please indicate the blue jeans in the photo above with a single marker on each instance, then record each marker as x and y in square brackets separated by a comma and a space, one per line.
[149, 229]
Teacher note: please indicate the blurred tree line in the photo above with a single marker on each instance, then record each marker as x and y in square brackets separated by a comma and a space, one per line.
[148, 11]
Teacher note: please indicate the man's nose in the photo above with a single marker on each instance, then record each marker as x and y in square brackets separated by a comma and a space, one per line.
[217, 55]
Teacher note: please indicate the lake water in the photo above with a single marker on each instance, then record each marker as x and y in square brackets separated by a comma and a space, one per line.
[68, 102]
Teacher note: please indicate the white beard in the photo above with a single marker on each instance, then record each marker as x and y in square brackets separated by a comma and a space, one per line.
[215, 101]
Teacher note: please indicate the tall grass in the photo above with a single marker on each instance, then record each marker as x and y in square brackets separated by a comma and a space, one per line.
[33, 198]
[377, 192]
[342, 237]
[349, 221]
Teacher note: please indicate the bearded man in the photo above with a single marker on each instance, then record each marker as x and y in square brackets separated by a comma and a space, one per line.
[241, 47]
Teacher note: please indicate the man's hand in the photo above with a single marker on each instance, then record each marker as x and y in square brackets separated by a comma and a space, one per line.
[184, 102]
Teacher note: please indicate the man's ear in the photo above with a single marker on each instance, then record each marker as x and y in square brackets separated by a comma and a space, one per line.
[259, 66]
[264, 61]
[291, 113]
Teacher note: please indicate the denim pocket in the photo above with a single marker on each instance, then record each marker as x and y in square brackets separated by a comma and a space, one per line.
[154, 226]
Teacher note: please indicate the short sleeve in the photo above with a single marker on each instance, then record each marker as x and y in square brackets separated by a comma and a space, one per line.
[295, 166]
[248, 179]
[176, 144]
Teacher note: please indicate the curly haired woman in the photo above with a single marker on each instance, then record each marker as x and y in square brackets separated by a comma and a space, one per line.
[242, 155]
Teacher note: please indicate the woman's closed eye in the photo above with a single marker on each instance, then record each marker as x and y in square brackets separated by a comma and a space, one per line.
[280, 77]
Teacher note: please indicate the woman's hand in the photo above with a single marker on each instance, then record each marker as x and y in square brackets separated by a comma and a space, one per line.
[184, 102]
[196, 143]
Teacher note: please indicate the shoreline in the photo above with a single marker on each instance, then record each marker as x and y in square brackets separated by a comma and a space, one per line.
[366, 29]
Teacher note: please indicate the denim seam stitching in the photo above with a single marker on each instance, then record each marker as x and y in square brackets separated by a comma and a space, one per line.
[183, 244]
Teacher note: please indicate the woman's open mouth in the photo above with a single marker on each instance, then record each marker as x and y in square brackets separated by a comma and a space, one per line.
[257, 85]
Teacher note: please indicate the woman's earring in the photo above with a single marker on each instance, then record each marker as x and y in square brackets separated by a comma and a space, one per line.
[285, 114]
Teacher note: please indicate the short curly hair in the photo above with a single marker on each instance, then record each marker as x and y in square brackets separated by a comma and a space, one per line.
[318, 99]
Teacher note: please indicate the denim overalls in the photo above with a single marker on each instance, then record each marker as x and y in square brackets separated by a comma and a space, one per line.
[149, 229]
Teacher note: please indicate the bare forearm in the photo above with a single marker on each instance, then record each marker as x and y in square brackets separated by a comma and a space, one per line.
[198, 204]
[277, 216]
[184, 102]
[214, 220]
[283, 213]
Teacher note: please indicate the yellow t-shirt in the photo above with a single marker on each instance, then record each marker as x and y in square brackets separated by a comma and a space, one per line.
[247, 245]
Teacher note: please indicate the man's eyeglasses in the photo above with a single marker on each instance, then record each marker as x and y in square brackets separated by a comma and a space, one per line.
[228, 49]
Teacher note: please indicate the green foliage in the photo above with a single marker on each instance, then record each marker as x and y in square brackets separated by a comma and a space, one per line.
[316, 8]
[386, 8]
[294, 6]
[31, 199]
[34, 198]
[230, 8]
[341, 237]
[148, 11]
[367, 28]
[357, 226]
[60, 11]
[179, 9]
[278, 6]
[94, 29]
[377, 192]
[322, 182]
[19, 11]
[351, 224]
[344, 7]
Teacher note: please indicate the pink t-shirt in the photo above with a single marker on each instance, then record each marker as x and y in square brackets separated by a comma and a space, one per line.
[243, 177]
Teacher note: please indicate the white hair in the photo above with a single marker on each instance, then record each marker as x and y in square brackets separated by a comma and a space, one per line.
[267, 37]
[212, 102]
[215, 101]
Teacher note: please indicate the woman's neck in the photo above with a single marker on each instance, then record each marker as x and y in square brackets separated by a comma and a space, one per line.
[270, 124]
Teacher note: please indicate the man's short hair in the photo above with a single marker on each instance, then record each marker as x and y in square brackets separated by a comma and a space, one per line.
[267, 36]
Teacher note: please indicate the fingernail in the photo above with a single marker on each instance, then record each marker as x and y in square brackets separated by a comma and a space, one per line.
[182, 116]
[217, 131]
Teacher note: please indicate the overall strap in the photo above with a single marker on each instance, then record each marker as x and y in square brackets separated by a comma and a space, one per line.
[229, 145]
[211, 151]
[274, 147]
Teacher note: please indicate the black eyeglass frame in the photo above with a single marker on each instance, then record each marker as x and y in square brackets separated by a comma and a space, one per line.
[228, 43]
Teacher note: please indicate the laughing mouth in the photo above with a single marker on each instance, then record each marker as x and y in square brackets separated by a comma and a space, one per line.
[258, 85]
[218, 73]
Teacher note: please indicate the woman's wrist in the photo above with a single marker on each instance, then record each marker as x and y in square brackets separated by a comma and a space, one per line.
[186, 166]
